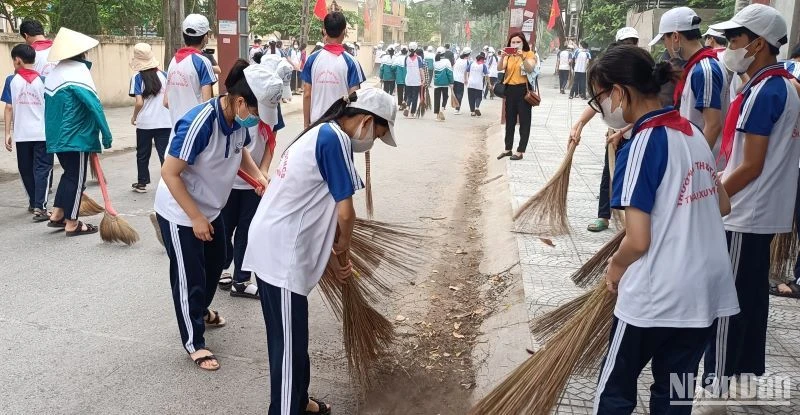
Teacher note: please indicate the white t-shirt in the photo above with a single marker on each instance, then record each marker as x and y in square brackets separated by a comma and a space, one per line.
[685, 278]
[41, 64]
[331, 76]
[460, 70]
[292, 232]
[413, 65]
[706, 87]
[188, 72]
[153, 114]
[27, 98]
[476, 73]
[213, 151]
[294, 56]
[563, 60]
[582, 58]
[378, 55]
[491, 62]
[252, 53]
[766, 205]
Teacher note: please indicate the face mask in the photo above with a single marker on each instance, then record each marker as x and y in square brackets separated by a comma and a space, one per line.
[363, 142]
[675, 53]
[250, 121]
[614, 119]
[735, 60]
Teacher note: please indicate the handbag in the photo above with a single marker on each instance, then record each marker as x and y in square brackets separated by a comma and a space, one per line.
[532, 96]
[499, 89]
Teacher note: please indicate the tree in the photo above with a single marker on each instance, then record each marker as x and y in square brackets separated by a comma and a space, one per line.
[267, 16]
[487, 7]
[11, 10]
[130, 17]
[79, 15]
[601, 19]
[423, 21]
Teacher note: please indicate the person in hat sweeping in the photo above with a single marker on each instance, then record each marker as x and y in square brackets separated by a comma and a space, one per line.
[151, 118]
[75, 125]
[309, 201]
[23, 95]
[190, 75]
[208, 148]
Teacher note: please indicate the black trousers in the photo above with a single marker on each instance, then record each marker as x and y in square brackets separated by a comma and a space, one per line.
[35, 167]
[674, 352]
[401, 89]
[72, 183]
[797, 220]
[144, 148]
[237, 215]
[738, 343]
[563, 79]
[286, 319]
[388, 87]
[458, 92]
[488, 89]
[578, 85]
[604, 201]
[516, 107]
[194, 270]
[295, 82]
[412, 97]
[439, 97]
[474, 97]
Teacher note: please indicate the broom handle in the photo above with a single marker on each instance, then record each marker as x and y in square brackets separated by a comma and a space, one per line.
[250, 180]
[103, 186]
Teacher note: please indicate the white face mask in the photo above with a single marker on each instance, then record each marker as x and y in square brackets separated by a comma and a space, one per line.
[735, 60]
[614, 119]
[363, 142]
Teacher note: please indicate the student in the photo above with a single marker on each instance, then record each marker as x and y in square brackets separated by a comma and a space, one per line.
[429, 59]
[664, 308]
[476, 74]
[442, 82]
[580, 62]
[700, 93]
[329, 73]
[256, 48]
[32, 31]
[387, 72]
[23, 94]
[75, 126]
[415, 77]
[716, 41]
[190, 75]
[562, 66]
[295, 57]
[491, 62]
[459, 76]
[761, 179]
[208, 148]
[151, 119]
[309, 201]
[516, 66]
[399, 62]
[272, 47]
[378, 54]
[448, 54]
[793, 64]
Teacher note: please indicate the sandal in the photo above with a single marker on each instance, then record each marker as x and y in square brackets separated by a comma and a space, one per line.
[217, 321]
[773, 290]
[516, 156]
[90, 229]
[225, 281]
[246, 290]
[40, 215]
[324, 409]
[200, 360]
[504, 154]
[57, 223]
[598, 225]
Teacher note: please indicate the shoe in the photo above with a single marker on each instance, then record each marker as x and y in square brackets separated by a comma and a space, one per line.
[244, 289]
[562, 92]
[40, 215]
[405, 112]
[139, 187]
[516, 157]
[472, 114]
[441, 115]
[570, 97]
[458, 112]
[477, 112]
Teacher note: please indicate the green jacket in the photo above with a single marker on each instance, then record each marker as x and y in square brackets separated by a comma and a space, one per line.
[400, 69]
[387, 71]
[442, 73]
[73, 115]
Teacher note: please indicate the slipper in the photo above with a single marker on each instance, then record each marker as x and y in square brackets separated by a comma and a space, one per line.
[598, 225]
[199, 362]
[216, 322]
[57, 224]
[225, 281]
[246, 290]
[324, 409]
[516, 157]
[773, 290]
[41, 215]
[504, 154]
[90, 229]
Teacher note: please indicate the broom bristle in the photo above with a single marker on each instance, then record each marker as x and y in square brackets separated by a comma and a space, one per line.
[783, 255]
[89, 207]
[595, 268]
[535, 386]
[545, 213]
[368, 185]
[116, 229]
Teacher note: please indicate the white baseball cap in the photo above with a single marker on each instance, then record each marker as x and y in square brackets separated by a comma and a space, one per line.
[430, 48]
[268, 89]
[678, 19]
[279, 66]
[712, 32]
[195, 25]
[440, 49]
[412, 46]
[466, 51]
[761, 20]
[377, 102]
[626, 33]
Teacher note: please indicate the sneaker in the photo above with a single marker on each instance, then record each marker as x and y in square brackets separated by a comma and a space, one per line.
[458, 112]
[244, 289]
[477, 112]
[441, 115]
[139, 187]
[472, 114]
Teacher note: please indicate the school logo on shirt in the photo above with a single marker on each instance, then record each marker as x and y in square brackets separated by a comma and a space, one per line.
[281, 172]
[28, 98]
[328, 77]
[699, 167]
[178, 78]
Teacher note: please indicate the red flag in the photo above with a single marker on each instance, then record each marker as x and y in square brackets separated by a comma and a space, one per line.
[467, 30]
[367, 22]
[555, 13]
[321, 9]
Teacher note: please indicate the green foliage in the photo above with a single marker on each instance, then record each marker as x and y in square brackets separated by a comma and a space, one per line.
[726, 7]
[600, 21]
[79, 15]
[10, 10]
[267, 16]
[125, 17]
[421, 27]
[487, 7]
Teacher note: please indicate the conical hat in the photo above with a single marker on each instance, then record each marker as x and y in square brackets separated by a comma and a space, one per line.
[69, 43]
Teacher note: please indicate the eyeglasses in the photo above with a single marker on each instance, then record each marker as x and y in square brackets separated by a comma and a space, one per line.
[594, 102]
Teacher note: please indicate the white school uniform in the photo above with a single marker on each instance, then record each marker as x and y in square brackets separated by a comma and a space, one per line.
[706, 87]
[41, 64]
[476, 73]
[27, 99]
[213, 151]
[563, 60]
[582, 58]
[492, 61]
[153, 113]
[460, 70]
[331, 76]
[292, 232]
[257, 148]
[188, 72]
[413, 66]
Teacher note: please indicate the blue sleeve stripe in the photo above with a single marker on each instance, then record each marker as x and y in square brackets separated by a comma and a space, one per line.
[307, 74]
[194, 129]
[7, 93]
[355, 74]
[634, 165]
[344, 142]
[748, 104]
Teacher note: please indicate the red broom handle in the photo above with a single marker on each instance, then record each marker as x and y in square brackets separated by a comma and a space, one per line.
[103, 186]
[250, 180]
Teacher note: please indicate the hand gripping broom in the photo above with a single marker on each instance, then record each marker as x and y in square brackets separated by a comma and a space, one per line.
[112, 228]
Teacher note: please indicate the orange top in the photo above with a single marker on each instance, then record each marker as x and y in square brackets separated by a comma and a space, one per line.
[514, 75]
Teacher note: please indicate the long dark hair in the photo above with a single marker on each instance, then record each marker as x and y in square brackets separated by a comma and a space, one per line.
[152, 83]
[525, 46]
[237, 85]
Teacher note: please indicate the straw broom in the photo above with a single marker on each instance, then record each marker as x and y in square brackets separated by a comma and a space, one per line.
[619, 216]
[546, 211]
[368, 186]
[112, 228]
[783, 255]
[595, 268]
[89, 207]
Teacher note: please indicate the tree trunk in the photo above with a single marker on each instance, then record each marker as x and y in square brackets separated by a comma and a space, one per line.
[173, 39]
[304, 23]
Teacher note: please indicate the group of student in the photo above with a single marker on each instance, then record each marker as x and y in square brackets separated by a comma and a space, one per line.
[295, 55]
[576, 62]
[706, 177]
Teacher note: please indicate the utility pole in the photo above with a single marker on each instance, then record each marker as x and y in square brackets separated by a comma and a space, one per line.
[173, 17]
[304, 23]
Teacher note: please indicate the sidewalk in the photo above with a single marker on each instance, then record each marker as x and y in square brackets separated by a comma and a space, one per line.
[123, 133]
[546, 270]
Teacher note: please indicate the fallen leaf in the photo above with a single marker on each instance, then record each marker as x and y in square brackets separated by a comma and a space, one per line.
[548, 242]
[457, 335]
[454, 288]
[446, 354]
[456, 326]
[400, 317]
[460, 252]
[435, 271]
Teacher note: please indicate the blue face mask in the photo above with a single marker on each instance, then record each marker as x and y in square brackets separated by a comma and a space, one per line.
[250, 121]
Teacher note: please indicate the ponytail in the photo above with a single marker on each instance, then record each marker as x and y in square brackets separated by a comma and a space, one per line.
[152, 84]
[236, 83]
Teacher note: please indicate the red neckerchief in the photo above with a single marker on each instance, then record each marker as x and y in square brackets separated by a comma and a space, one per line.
[265, 130]
[182, 53]
[29, 75]
[335, 48]
[670, 119]
[735, 109]
[697, 57]
[41, 44]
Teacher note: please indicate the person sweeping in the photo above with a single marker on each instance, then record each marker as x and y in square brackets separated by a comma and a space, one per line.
[303, 224]
[207, 150]
[74, 121]
[442, 82]
[671, 273]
